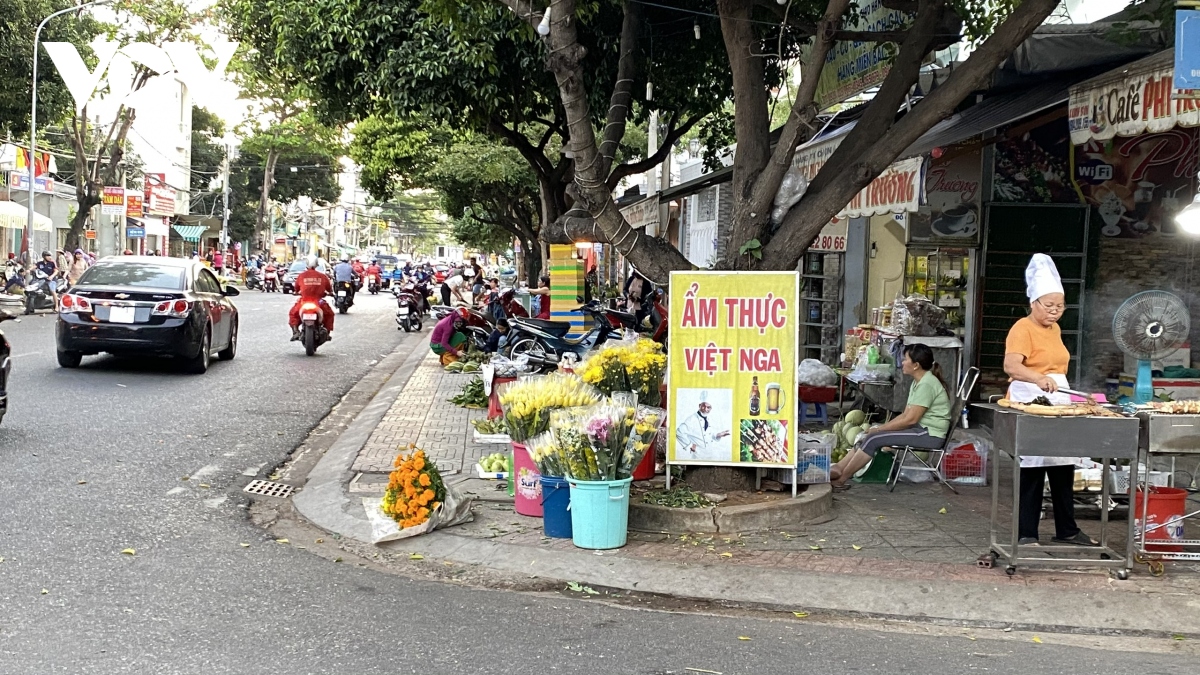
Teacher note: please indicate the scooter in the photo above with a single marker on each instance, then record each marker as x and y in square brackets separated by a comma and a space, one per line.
[373, 283]
[628, 320]
[344, 293]
[270, 279]
[408, 309]
[253, 279]
[312, 327]
[533, 338]
[512, 308]
[37, 293]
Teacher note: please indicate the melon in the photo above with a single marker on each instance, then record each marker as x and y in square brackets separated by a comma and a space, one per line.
[850, 433]
[855, 418]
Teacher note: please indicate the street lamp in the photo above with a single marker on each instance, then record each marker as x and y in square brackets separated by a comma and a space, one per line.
[33, 115]
[1188, 217]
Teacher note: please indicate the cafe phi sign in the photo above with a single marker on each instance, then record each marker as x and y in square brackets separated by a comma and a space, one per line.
[1143, 101]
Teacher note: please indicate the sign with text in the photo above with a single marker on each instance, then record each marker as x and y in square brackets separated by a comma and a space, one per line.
[1143, 100]
[132, 232]
[732, 359]
[898, 189]
[1187, 49]
[643, 213]
[133, 205]
[833, 237]
[112, 201]
[952, 192]
[20, 181]
[160, 197]
[852, 67]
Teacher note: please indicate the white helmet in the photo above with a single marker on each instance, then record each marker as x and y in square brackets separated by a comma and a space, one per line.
[311, 262]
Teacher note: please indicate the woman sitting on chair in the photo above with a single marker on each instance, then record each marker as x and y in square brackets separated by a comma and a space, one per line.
[923, 424]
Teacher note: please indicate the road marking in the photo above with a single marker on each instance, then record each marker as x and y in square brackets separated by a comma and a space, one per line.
[26, 354]
[176, 490]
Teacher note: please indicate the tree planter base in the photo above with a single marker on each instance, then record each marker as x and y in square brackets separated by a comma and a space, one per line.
[813, 505]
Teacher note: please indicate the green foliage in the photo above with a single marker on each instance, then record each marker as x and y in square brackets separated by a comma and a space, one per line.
[18, 21]
[751, 248]
[208, 152]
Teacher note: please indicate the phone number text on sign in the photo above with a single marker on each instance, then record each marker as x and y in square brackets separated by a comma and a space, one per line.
[829, 243]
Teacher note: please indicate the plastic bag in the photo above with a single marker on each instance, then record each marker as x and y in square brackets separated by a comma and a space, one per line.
[791, 189]
[514, 367]
[454, 510]
[813, 373]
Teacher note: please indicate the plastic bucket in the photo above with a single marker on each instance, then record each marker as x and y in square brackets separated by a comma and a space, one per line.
[556, 504]
[1164, 511]
[600, 513]
[525, 479]
[645, 468]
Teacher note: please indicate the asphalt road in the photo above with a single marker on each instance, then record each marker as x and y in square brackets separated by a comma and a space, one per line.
[195, 600]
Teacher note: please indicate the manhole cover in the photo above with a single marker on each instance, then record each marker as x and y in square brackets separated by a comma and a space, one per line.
[269, 488]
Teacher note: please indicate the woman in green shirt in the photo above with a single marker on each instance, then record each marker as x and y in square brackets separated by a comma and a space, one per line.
[923, 424]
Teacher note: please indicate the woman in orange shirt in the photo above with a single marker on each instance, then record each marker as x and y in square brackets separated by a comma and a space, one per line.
[1036, 359]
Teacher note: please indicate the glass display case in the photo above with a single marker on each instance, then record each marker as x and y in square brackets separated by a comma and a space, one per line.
[821, 300]
[942, 275]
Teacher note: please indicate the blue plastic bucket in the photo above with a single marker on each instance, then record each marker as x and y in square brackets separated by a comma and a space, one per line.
[556, 502]
[600, 513]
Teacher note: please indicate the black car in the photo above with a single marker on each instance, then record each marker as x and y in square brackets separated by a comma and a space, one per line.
[148, 306]
[298, 266]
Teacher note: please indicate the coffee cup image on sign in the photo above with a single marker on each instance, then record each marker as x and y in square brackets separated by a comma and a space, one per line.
[705, 427]
[956, 221]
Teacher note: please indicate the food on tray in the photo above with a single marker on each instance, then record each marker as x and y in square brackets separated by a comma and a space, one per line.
[1071, 410]
[1177, 407]
[764, 441]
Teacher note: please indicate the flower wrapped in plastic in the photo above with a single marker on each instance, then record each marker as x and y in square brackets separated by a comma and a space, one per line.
[571, 443]
[527, 403]
[607, 427]
[627, 365]
[646, 424]
[543, 450]
[414, 490]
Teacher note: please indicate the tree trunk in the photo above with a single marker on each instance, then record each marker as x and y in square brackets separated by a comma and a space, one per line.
[531, 255]
[79, 221]
[264, 199]
[719, 478]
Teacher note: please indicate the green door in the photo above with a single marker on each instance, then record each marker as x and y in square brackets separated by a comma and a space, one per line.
[1014, 233]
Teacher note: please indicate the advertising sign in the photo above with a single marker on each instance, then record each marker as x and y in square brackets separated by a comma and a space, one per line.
[832, 238]
[853, 67]
[112, 201]
[732, 362]
[643, 213]
[133, 205]
[132, 232]
[20, 181]
[160, 197]
[1187, 49]
[897, 189]
[1144, 100]
[952, 182]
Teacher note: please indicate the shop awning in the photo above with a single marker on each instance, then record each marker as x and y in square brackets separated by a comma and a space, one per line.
[13, 216]
[993, 113]
[1131, 100]
[190, 232]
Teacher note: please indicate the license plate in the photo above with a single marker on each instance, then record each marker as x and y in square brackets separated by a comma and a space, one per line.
[341, 294]
[310, 317]
[121, 314]
[403, 311]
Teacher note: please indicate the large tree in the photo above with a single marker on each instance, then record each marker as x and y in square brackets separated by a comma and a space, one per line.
[208, 158]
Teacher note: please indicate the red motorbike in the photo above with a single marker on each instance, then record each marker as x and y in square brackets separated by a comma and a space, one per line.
[656, 331]
[312, 327]
[270, 279]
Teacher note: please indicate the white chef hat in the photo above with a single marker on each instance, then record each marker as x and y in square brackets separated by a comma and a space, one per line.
[1041, 277]
[704, 397]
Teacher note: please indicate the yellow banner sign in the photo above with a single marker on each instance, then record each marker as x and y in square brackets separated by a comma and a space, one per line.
[732, 354]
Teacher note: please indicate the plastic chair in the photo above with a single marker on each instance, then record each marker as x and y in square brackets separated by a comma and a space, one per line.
[970, 378]
[819, 410]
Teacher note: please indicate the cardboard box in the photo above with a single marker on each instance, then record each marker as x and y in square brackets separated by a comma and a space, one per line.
[1182, 357]
[1178, 388]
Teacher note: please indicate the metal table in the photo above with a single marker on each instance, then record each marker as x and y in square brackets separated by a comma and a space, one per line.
[1019, 434]
[1166, 435]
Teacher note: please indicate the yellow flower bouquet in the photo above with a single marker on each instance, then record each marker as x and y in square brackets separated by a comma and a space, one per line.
[627, 365]
[528, 403]
[414, 490]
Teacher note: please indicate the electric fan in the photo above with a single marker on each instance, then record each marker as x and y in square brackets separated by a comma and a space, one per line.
[1150, 325]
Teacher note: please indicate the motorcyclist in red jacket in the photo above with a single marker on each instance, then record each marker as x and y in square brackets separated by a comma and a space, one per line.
[312, 285]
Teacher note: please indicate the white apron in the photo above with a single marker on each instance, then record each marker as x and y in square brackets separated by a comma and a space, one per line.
[1024, 392]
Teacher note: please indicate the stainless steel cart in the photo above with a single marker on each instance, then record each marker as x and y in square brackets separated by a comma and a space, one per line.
[1173, 436]
[1019, 434]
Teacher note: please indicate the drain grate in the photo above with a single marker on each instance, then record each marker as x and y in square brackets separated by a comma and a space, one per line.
[269, 488]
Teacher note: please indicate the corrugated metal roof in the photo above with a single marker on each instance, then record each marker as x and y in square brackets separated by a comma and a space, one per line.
[1147, 65]
[991, 114]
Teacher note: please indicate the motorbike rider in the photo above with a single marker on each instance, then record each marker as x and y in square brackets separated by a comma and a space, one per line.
[312, 285]
[343, 272]
[13, 274]
[449, 335]
[47, 266]
[359, 271]
[375, 270]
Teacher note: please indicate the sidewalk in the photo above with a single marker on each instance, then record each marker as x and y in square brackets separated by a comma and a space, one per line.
[893, 555]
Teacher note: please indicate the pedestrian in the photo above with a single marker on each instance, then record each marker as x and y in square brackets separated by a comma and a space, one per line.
[62, 259]
[453, 286]
[218, 261]
[78, 266]
[476, 279]
[542, 297]
[46, 266]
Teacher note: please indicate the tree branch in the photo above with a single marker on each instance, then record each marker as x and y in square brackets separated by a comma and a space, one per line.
[643, 165]
[622, 93]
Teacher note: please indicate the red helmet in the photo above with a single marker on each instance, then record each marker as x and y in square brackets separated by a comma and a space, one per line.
[462, 313]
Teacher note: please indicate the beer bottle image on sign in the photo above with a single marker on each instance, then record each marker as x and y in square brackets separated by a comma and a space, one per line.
[755, 398]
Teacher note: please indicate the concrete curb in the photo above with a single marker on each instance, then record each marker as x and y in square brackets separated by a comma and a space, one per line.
[809, 506]
[324, 500]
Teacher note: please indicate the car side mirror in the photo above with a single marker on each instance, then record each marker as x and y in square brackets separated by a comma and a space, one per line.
[230, 291]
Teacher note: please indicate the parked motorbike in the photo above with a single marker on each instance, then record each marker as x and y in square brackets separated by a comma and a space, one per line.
[408, 309]
[312, 327]
[270, 279]
[508, 298]
[545, 342]
[373, 283]
[8, 311]
[37, 293]
[253, 279]
[343, 292]
[656, 330]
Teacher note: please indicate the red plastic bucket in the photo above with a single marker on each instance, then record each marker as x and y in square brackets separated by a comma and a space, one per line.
[494, 409]
[1165, 509]
[527, 483]
[645, 468]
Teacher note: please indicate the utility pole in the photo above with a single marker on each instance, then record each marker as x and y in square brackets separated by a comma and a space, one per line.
[230, 151]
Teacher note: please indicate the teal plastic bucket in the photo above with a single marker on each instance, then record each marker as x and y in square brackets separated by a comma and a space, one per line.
[556, 504]
[600, 513]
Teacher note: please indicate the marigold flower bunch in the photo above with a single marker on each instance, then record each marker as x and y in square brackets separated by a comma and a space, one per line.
[414, 490]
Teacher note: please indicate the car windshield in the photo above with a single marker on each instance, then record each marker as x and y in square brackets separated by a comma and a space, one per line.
[299, 266]
[146, 275]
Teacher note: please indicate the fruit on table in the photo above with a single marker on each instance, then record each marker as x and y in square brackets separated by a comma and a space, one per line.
[497, 462]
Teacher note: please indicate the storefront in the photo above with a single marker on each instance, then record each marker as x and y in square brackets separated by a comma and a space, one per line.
[1134, 158]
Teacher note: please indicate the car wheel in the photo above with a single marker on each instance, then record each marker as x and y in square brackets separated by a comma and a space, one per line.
[229, 352]
[198, 365]
[69, 359]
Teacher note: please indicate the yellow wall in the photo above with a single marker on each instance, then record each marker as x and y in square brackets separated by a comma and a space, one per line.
[885, 270]
[566, 286]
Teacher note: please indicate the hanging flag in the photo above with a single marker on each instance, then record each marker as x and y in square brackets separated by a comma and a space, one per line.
[41, 165]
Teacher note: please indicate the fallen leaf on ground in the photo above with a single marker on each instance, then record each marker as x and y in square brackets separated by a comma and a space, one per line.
[320, 541]
[81, 482]
[743, 637]
[44, 591]
[244, 545]
[205, 485]
[942, 510]
[856, 547]
[970, 637]
[416, 556]
[186, 478]
[1174, 636]
[727, 554]
[815, 547]
[128, 551]
[282, 541]
[799, 615]
[1037, 639]
[273, 476]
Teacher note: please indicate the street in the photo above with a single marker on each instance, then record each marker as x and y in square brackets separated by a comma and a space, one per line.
[133, 455]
